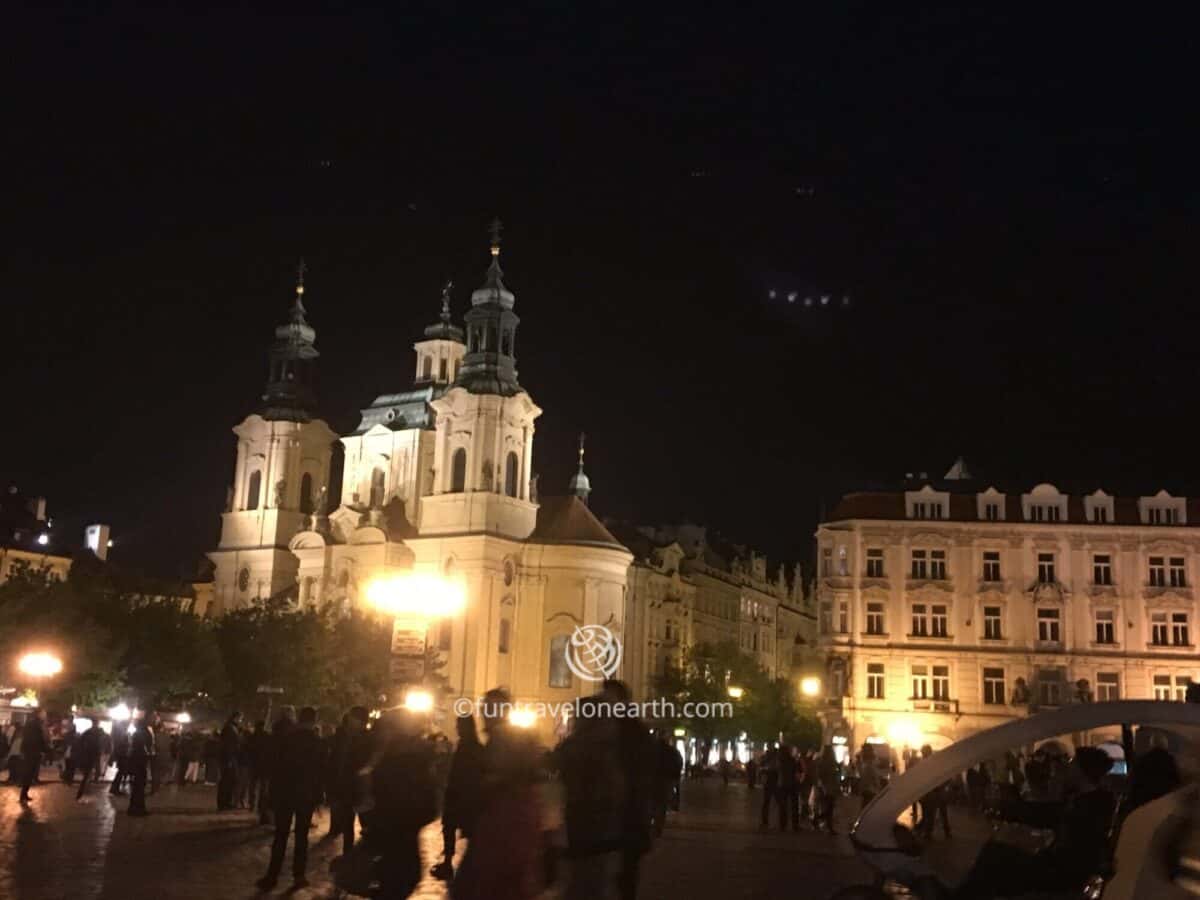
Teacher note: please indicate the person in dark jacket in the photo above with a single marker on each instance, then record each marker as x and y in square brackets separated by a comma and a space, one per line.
[120, 754]
[141, 757]
[460, 804]
[231, 746]
[70, 741]
[280, 729]
[639, 762]
[351, 751]
[87, 750]
[34, 744]
[295, 790]
[257, 745]
[669, 765]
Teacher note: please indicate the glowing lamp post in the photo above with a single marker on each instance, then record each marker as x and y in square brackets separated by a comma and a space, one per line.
[810, 687]
[40, 665]
[414, 601]
[735, 692]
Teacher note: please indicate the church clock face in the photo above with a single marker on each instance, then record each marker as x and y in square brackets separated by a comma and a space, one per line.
[243, 580]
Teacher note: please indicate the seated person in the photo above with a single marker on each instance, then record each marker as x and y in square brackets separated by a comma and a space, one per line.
[1079, 849]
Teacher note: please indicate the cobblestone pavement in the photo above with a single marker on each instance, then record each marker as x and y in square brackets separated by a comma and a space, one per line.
[62, 850]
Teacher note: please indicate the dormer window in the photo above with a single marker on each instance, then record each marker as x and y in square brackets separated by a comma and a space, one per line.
[1044, 504]
[1098, 508]
[1163, 509]
[927, 503]
[990, 506]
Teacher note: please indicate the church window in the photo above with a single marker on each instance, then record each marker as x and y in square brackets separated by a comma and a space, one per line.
[505, 635]
[506, 343]
[254, 489]
[427, 368]
[243, 580]
[306, 494]
[458, 471]
[560, 673]
[378, 484]
[442, 371]
[511, 475]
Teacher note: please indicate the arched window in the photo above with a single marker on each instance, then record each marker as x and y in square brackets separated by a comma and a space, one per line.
[254, 489]
[505, 635]
[560, 672]
[377, 488]
[306, 495]
[506, 343]
[510, 475]
[458, 471]
[427, 368]
[443, 370]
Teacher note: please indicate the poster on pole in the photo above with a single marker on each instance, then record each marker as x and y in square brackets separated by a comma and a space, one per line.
[408, 651]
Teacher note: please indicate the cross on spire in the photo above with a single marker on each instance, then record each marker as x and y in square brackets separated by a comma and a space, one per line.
[582, 438]
[301, 268]
[446, 288]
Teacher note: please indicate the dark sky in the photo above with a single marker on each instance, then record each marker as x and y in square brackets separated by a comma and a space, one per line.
[1008, 200]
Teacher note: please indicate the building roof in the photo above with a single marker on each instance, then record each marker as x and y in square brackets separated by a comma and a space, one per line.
[890, 505]
[567, 520]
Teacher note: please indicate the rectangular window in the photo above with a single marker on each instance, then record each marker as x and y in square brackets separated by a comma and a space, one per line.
[1045, 563]
[1105, 632]
[875, 623]
[560, 672]
[1179, 629]
[991, 623]
[1176, 574]
[1036, 513]
[875, 562]
[1158, 629]
[1050, 687]
[935, 510]
[844, 617]
[843, 565]
[1158, 571]
[826, 618]
[991, 512]
[920, 620]
[941, 682]
[1048, 626]
[1099, 514]
[1162, 687]
[939, 625]
[875, 681]
[506, 630]
[991, 565]
[937, 564]
[919, 511]
[920, 682]
[826, 561]
[1101, 569]
[1108, 686]
[993, 687]
[1181, 685]
[920, 564]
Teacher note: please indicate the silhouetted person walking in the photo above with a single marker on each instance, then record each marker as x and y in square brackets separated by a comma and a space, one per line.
[87, 749]
[141, 757]
[231, 747]
[34, 743]
[295, 790]
[460, 806]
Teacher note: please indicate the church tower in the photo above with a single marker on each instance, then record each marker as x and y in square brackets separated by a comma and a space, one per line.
[281, 474]
[483, 450]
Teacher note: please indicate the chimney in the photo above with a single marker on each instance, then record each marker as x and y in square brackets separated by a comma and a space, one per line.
[97, 540]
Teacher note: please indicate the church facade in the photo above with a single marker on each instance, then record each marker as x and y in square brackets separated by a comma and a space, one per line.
[437, 480]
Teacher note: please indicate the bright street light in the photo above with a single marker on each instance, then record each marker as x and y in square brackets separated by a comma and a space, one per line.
[119, 713]
[736, 692]
[523, 717]
[810, 686]
[424, 596]
[184, 718]
[418, 701]
[40, 665]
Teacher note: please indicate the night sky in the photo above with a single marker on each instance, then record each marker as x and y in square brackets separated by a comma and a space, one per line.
[1008, 201]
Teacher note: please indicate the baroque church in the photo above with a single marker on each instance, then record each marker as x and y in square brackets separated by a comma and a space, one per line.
[437, 480]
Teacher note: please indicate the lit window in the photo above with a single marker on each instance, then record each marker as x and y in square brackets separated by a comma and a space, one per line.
[1162, 687]
[1049, 625]
[1105, 633]
[560, 672]
[875, 562]
[991, 565]
[1045, 564]
[991, 623]
[1101, 569]
[1181, 686]
[993, 687]
[875, 680]
[1108, 686]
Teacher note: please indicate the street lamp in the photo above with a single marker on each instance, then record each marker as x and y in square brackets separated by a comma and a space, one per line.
[418, 701]
[736, 692]
[417, 596]
[40, 665]
[523, 717]
[810, 686]
[119, 713]
[184, 718]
